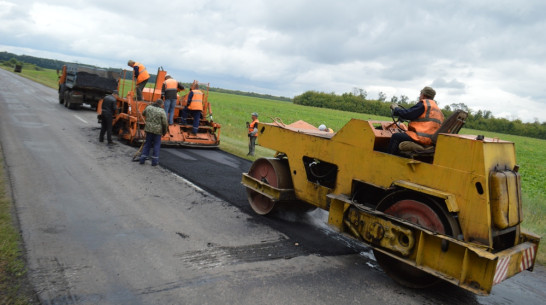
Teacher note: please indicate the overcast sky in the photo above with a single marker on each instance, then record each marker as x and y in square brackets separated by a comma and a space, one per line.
[489, 55]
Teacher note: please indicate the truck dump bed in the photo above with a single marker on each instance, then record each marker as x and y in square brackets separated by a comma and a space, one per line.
[78, 77]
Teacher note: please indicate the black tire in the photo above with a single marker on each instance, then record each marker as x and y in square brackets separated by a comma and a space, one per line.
[74, 106]
[403, 273]
[61, 94]
[66, 98]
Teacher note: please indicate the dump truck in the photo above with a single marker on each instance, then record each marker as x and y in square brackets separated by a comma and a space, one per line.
[79, 84]
[452, 212]
[129, 122]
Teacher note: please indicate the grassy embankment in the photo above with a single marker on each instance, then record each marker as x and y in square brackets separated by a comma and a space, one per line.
[13, 287]
[232, 111]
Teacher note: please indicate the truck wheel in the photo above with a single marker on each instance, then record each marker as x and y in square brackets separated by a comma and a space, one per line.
[424, 211]
[61, 94]
[66, 99]
[274, 172]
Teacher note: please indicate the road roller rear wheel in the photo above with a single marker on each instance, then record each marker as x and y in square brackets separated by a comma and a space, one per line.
[274, 172]
[421, 210]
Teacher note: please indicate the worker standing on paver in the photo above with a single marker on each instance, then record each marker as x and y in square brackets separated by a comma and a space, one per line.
[108, 109]
[194, 108]
[169, 92]
[141, 76]
[252, 133]
[156, 127]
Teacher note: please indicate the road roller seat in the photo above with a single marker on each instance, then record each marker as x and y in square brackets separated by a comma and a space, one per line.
[452, 125]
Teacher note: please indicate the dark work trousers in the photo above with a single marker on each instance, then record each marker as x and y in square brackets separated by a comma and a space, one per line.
[139, 87]
[195, 114]
[251, 145]
[106, 127]
[396, 139]
[153, 141]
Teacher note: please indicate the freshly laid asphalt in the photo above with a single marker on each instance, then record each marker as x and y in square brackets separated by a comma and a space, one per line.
[219, 173]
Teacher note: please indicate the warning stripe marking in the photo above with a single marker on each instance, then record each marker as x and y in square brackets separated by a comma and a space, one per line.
[502, 270]
[527, 258]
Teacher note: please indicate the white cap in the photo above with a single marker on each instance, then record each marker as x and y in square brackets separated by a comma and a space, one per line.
[322, 127]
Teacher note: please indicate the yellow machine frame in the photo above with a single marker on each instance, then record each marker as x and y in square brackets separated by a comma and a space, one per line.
[474, 180]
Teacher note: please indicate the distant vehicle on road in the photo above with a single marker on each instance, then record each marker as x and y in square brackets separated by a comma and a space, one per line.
[79, 84]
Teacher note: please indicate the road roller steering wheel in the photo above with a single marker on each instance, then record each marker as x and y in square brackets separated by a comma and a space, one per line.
[397, 120]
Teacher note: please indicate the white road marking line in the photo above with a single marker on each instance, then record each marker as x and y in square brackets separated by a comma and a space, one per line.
[77, 117]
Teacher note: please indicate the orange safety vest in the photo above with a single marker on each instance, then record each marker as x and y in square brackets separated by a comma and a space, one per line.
[196, 101]
[252, 125]
[142, 73]
[171, 84]
[423, 128]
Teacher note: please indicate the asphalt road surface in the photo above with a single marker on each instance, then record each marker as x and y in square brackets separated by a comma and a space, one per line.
[100, 229]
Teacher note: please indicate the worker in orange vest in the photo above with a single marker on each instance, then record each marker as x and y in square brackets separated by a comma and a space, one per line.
[252, 133]
[426, 118]
[194, 108]
[169, 92]
[141, 76]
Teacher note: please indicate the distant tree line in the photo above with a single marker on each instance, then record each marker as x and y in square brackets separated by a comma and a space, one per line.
[40, 62]
[46, 63]
[251, 94]
[58, 64]
[356, 102]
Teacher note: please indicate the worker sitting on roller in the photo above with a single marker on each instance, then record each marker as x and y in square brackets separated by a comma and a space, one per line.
[426, 118]
[141, 76]
[194, 108]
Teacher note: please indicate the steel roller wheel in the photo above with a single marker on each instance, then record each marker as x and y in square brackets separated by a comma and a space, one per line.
[421, 210]
[274, 172]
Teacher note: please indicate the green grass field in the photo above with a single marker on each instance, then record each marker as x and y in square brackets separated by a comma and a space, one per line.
[233, 111]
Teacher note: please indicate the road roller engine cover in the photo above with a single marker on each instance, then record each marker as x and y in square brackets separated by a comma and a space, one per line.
[448, 212]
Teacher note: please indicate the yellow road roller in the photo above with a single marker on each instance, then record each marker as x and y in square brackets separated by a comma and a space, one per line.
[449, 212]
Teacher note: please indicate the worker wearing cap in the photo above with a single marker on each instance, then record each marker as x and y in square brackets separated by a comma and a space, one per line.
[194, 107]
[156, 127]
[107, 111]
[141, 76]
[425, 116]
[252, 133]
[169, 92]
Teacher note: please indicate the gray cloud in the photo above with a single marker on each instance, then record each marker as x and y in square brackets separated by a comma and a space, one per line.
[483, 53]
[452, 84]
